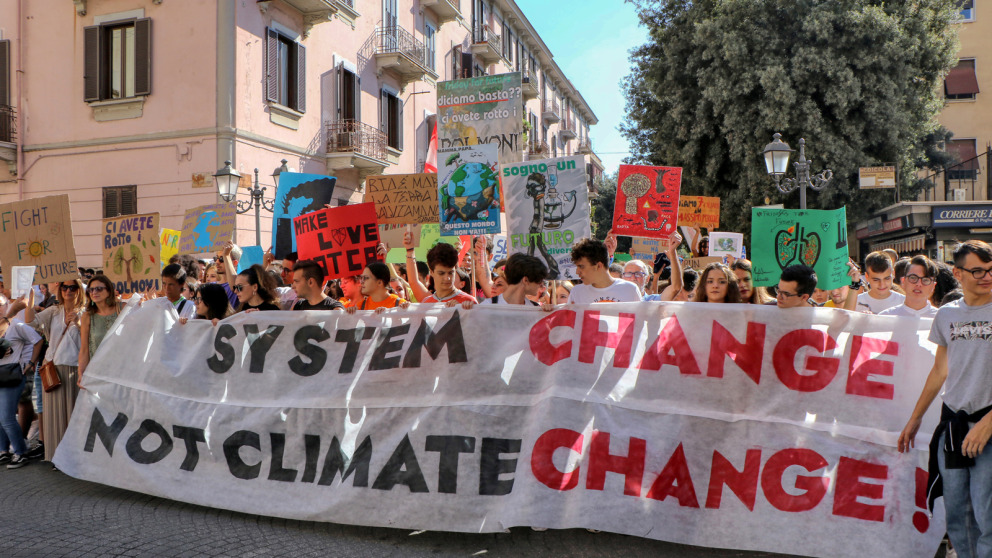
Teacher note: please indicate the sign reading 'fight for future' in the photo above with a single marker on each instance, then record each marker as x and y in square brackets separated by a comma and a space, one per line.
[343, 240]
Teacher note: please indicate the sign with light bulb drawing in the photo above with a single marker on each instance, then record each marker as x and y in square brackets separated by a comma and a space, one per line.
[547, 210]
[38, 232]
[647, 203]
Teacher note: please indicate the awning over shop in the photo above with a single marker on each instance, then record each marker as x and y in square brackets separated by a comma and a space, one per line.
[915, 243]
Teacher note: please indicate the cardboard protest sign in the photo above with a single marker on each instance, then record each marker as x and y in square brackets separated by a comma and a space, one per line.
[719, 425]
[726, 244]
[20, 283]
[343, 240]
[469, 194]
[402, 199]
[482, 110]
[298, 193]
[169, 243]
[38, 232]
[646, 248]
[547, 210]
[132, 253]
[784, 237]
[647, 202]
[427, 237]
[207, 228]
[699, 211]
[700, 263]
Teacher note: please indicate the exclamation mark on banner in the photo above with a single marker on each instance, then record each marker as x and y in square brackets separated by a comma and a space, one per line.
[921, 519]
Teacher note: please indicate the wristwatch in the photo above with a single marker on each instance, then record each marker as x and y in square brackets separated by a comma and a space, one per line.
[856, 284]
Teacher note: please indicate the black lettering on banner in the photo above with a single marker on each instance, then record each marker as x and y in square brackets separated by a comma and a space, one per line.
[353, 341]
[138, 454]
[450, 334]
[259, 344]
[312, 445]
[232, 453]
[334, 463]
[314, 353]
[276, 471]
[107, 434]
[191, 436]
[449, 447]
[388, 344]
[491, 466]
[223, 350]
[402, 468]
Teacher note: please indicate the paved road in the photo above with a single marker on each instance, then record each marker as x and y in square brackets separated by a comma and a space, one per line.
[45, 513]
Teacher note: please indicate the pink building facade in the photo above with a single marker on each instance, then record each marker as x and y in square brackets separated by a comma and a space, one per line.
[130, 106]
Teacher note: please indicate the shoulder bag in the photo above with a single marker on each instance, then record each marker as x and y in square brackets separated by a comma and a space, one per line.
[50, 380]
[10, 375]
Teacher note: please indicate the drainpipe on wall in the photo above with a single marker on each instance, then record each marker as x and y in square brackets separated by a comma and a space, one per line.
[20, 100]
[226, 68]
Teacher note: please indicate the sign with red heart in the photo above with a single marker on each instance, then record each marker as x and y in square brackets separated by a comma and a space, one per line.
[343, 240]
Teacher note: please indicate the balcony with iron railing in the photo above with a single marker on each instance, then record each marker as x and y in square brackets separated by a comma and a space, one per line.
[8, 124]
[968, 180]
[352, 144]
[550, 111]
[585, 146]
[395, 49]
[567, 128]
[485, 44]
[528, 82]
[444, 10]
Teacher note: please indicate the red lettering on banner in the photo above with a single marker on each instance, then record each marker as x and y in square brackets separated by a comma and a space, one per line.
[747, 355]
[542, 464]
[744, 484]
[540, 337]
[784, 358]
[849, 487]
[601, 460]
[863, 366]
[814, 488]
[621, 341]
[675, 480]
[671, 347]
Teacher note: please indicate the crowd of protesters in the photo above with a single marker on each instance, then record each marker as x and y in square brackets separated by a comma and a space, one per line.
[65, 323]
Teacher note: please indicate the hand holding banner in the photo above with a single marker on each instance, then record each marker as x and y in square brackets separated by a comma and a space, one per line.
[342, 240]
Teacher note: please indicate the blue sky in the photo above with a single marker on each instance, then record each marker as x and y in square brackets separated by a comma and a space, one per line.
[590, 41]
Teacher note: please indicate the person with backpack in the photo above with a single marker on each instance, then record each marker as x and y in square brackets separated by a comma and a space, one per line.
[375, 290]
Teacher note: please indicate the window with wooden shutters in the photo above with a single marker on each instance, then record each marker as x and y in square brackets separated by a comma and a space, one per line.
[349, 94]
[468, 61]
[456, 62]
[429, 45]
[391, 118]
[120, 200]
[285, 71]
[117, 60]
[4, 73]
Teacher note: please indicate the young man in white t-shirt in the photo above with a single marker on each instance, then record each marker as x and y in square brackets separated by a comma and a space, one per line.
[592, 266]
[919, 283]
[880, 274]
[525, 276]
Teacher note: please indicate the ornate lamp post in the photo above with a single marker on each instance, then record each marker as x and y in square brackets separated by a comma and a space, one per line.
[777, 162]
[227, 186]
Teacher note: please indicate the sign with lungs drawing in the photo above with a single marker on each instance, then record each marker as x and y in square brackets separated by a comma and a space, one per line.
[813, 237]
[647, 203]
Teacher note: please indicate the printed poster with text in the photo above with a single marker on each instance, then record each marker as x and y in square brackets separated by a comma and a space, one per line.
[485, 109]
[699, 211]
[784, 237]
[468, 190]
[38, 232]
[647, 203]
[342, 240]
[131, 253]
[547, 211]
[207, 228]
[298, 193]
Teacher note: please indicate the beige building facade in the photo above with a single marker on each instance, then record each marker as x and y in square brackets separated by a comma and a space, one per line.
[130, 106]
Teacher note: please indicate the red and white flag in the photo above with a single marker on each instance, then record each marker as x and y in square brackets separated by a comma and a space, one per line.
[430, 165]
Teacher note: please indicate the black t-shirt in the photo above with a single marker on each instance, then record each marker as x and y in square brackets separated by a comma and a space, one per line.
[326, 304]
[262, 306]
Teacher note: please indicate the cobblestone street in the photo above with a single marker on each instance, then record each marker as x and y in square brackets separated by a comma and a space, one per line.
[47, 513]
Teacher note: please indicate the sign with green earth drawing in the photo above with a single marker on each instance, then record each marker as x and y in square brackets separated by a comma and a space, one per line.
[132, 253]
[468, 190]
[784, 237]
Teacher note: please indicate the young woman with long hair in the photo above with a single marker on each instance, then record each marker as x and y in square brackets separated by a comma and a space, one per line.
[717, 284]
[60, 325]
[745, 281]
[101, 313]
[255, 290]
[211, 302]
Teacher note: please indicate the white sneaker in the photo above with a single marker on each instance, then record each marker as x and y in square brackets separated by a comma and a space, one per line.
[17, 462]
[951, 553]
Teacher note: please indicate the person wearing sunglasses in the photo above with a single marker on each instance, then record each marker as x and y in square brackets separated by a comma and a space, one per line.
[256, 290]
[60, 326]
[960, 463]
[918, 283]
[100, 315]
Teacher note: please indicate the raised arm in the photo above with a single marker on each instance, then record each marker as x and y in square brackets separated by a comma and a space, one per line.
[673, 256]
[419, 290]
[851, 303]
[229, 269]
[482, 272]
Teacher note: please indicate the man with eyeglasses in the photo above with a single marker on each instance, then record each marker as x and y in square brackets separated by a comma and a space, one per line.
[960, 470]
[795, 286]
[918, 283]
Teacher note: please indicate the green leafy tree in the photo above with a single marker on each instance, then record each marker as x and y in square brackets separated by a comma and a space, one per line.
[601, 208]
[859, 80]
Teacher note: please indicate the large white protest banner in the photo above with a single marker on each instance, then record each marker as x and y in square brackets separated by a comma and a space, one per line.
[730, 426]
